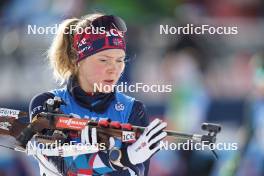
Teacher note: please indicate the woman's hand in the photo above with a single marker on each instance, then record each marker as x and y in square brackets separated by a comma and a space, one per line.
[148, 143]
[85, 139]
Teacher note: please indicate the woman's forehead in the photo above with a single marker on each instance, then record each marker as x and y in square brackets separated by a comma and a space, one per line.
[111, 53]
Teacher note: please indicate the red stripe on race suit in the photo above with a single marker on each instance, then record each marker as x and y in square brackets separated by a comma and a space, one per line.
[81, 171]
[85, 171]
[92, 160]
[69, 173]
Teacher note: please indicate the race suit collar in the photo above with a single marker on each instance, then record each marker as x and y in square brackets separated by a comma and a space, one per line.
[98, 102]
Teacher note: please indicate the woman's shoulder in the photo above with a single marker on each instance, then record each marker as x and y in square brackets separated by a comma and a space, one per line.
[138, 115]
[121, 96]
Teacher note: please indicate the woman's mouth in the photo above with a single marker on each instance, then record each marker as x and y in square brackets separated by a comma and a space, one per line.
[110, 81]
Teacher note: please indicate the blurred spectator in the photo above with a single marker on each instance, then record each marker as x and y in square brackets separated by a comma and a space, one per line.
[252, 153]
[183, 66]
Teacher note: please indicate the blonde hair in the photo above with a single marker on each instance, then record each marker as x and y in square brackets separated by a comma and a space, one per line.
[61, 54]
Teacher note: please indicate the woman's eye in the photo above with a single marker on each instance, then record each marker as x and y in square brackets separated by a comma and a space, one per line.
[103, 60]
[120, 60]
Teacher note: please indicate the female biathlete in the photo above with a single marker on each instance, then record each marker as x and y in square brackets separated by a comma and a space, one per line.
[85, 52]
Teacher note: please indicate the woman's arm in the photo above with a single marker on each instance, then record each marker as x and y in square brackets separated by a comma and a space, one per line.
[139, 117]
[95, 164]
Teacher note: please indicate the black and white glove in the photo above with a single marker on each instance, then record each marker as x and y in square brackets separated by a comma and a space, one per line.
[133, 156]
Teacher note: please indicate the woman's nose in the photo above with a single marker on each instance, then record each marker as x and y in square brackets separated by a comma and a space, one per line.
[111, 66]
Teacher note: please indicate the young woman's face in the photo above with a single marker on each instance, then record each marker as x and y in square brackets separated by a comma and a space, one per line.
[103, 68]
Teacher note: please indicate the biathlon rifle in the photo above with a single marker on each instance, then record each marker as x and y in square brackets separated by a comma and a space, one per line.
[12, 125]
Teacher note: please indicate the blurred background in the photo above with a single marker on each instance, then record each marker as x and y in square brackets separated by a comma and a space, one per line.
[215, 78]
